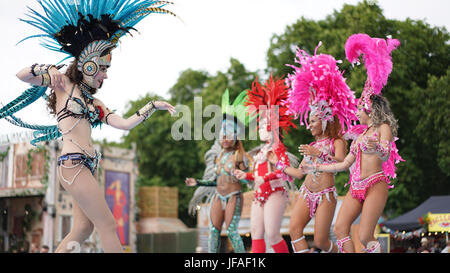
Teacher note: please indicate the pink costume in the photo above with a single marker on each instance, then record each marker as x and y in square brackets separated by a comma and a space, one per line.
[386, 151]
[313, 199]
[378, 62]
[318, 87]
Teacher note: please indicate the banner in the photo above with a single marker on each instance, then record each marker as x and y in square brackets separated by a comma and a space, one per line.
[438, 222]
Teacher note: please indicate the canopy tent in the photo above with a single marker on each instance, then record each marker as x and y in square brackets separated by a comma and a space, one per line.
[410, 220]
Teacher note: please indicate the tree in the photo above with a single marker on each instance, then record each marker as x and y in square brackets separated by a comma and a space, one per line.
[189, 83]
[420, 67]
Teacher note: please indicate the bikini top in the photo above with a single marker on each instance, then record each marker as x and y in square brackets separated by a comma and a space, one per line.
[389, 148]
[77, 109]
[224, 165]
[326, 148]
[363, 144]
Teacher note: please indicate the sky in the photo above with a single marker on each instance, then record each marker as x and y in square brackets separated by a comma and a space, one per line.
[209, 34]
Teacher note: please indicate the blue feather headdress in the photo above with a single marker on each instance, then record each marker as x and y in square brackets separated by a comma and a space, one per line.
[69, 26]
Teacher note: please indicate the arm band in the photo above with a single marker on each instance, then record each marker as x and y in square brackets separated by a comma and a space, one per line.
[206, 183]
[147, 110]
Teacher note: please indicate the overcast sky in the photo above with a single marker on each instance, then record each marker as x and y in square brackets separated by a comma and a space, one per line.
[213, 31]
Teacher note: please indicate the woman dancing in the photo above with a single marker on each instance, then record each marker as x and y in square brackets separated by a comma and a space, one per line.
[318, 87]
[226, 195]
[373, 153]
[270, 183]
[87, 31]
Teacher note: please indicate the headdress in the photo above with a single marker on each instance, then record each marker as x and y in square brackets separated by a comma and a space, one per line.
[317, 86]
[266, 101]
[235, 117]
[88, 30]
[377, 60]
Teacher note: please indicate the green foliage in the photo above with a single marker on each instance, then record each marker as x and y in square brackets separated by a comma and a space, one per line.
[189, 84]
[417, 90]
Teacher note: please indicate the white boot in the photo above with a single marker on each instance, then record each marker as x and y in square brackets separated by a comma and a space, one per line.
[373, 247]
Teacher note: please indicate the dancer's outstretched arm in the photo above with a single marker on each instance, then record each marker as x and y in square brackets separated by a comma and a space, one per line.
[198, 182]
[330, 168]
[143, 114]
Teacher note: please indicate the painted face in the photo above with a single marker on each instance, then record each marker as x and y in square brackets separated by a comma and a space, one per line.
[101, 76]
[315, 125]
[264, 135]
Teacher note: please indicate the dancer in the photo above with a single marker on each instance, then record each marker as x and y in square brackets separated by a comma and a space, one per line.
[87, 31]
[270, 183]
[225, 191]
[318, 87]
[373, 153]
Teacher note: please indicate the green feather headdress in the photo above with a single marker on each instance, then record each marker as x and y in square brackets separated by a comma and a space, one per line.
[235, 117]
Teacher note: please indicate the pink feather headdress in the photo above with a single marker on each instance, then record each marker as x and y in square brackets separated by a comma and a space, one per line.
[377, 60]
[319, 87]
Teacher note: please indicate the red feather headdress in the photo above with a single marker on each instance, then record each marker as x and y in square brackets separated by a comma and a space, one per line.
[268, 100]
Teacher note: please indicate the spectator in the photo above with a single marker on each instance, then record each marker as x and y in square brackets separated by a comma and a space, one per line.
[447, 248]
[44, 249]
[436, 248]
[424, 248]
[34, 248]
[411, 250]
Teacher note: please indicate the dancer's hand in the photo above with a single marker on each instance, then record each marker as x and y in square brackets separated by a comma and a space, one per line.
[239, 174]
[272, 157]
[162, 105]
[308, 150]
[372, 143]
[258, 182]
[57, 78]
[190, 182]
[308, 168]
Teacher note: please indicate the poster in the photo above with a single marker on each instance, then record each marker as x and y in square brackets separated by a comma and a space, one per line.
[117, 194]
[438, 222]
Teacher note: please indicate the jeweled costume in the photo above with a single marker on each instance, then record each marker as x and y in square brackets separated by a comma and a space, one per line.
[87, 31]
[219, 167]
[377, 60]
[318, 87]
[267, 101]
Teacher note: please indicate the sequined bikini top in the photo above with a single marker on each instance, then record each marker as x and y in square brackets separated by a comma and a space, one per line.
[76, 108]
[326, 148]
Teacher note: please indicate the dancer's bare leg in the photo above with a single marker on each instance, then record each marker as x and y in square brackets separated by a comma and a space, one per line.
[372, 209]
[257, 221]
[217, 214]
[232, 217]
[91, 200]
[347, 214]
[216, 217]
[323, 218]
[273, 214]
[81, 230]
[299, 219]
